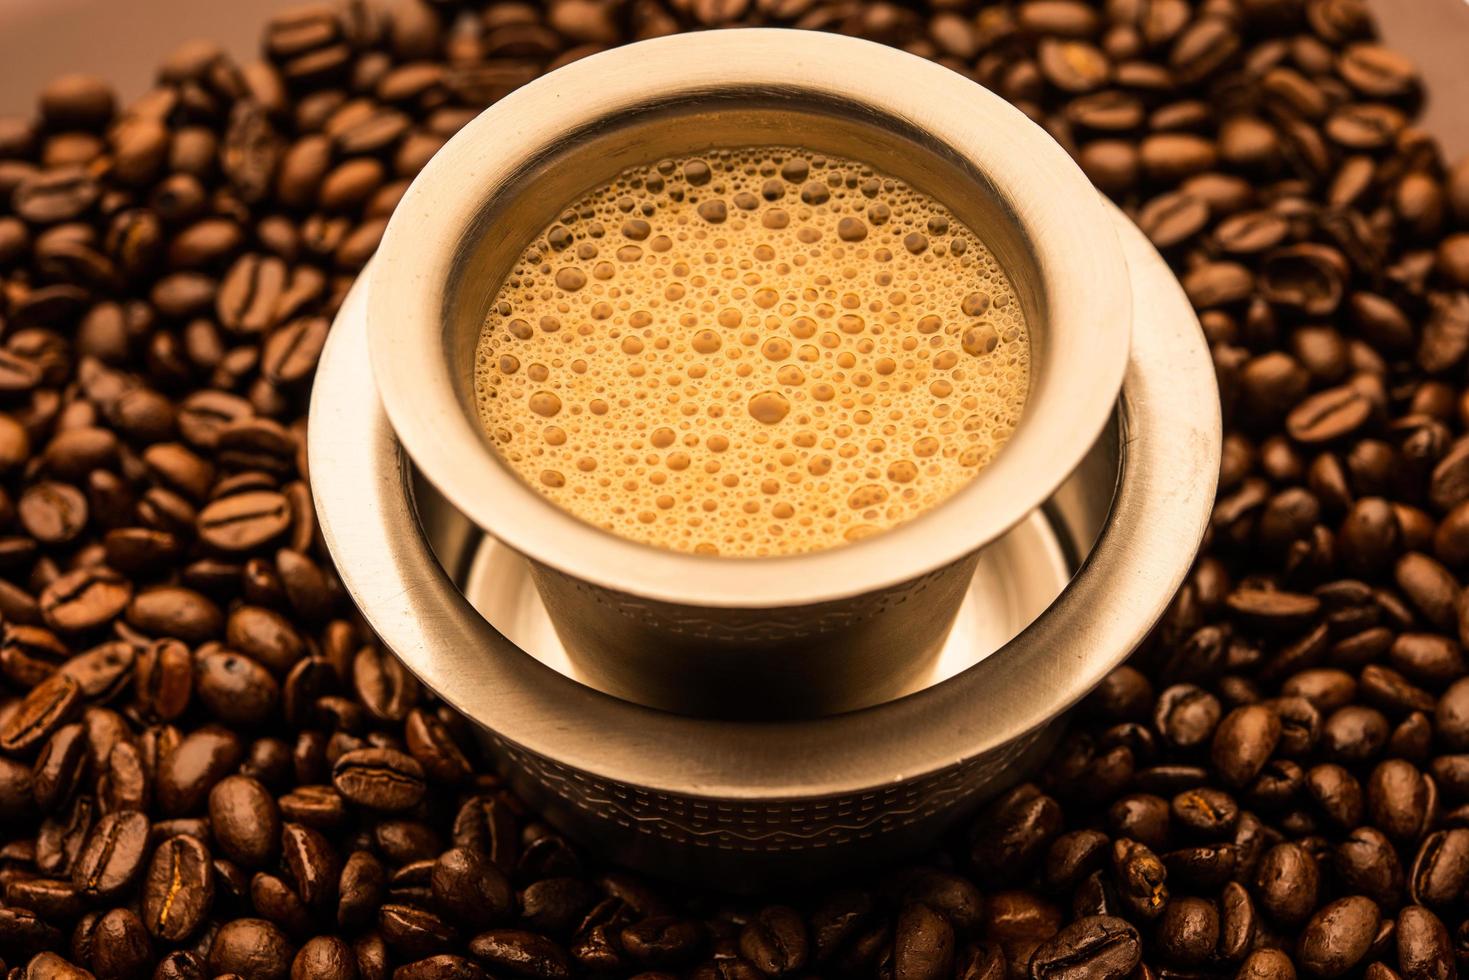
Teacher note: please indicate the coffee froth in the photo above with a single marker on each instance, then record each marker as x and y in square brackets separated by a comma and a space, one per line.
[752, 352]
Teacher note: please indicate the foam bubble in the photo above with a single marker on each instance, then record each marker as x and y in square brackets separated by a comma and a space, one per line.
[752, 352]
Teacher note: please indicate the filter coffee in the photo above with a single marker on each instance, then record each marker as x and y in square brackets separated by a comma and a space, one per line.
[752, 352]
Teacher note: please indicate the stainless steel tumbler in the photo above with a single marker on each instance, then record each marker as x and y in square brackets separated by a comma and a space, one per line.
[789, 636]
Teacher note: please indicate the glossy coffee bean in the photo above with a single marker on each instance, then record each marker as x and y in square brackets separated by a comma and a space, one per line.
[113, 854]
[178, 890]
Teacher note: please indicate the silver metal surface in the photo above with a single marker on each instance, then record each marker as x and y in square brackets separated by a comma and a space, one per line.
[791, 636]
[1016, 578]
[747, 803]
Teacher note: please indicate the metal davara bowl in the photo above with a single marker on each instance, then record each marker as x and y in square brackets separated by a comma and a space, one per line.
[775, 637]
[750, 803]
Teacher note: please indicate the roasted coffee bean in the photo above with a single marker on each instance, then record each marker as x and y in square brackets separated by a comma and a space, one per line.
[432, 744]
[175, 612]
[185, 776]
[1014, 831]
[124, 783]
[1337, 792]
[245, 820]
[484, 823]
[1424, 947]
[244, 521]
[555, 906]
[265, 636]
[1287, 883]
[1339, 936]
[379, 779]
[180, 965]
[312, 863]
[774, 941]
[1096, 946]
[60, 838]
[383, 684]
[1329, 415]
[522, 954]
[55, 899]
[85, 599]
[360, 890]
[59, 767]
[1441, 867]
[414, 932]
[469, 889]
[236, 689]
[56, 195]
[179, 888]
[1366, 862]
[46, 708]
[53, 512]
[113, 854]
[50, 966]
[1189, 931]
[272, 898]
[315, 806]
[327, 958]
[1142, 817]
[250, 948]
[163, 679]
[1243, 742]
[1186, 715]
[668, 941]
[1399, 799]
[442, 967]
[1140, 878]
[290, 353]
[1173, 218]
[104, 672]
[120, 945]
[251, 292]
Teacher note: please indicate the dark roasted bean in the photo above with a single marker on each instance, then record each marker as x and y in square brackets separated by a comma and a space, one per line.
[1244, 741]
[244, 521]
[185, 775]
[325, 958]
[1286, 883]
[312, 863]
[383, 684]
[521, 954]
[163, 678]
[414, 932]
[236, 689]
[46, 708]
[120, 945]
[1096, 946]
[379, 779]
[85, 599]
[178, 889]
[59, 767]
[360, 890]
[1441, 868]
[245, 820]
[442, 967]
[113, 854]
[250, 948]
[469, 889]
[1339, 936]
[1014, 831]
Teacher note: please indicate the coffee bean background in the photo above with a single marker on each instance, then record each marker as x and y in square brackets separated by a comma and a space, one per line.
[208, 768]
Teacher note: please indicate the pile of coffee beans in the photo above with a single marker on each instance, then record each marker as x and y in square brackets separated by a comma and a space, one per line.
[209, 769]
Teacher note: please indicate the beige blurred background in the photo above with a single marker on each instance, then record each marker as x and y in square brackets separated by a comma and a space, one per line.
[123, 39]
